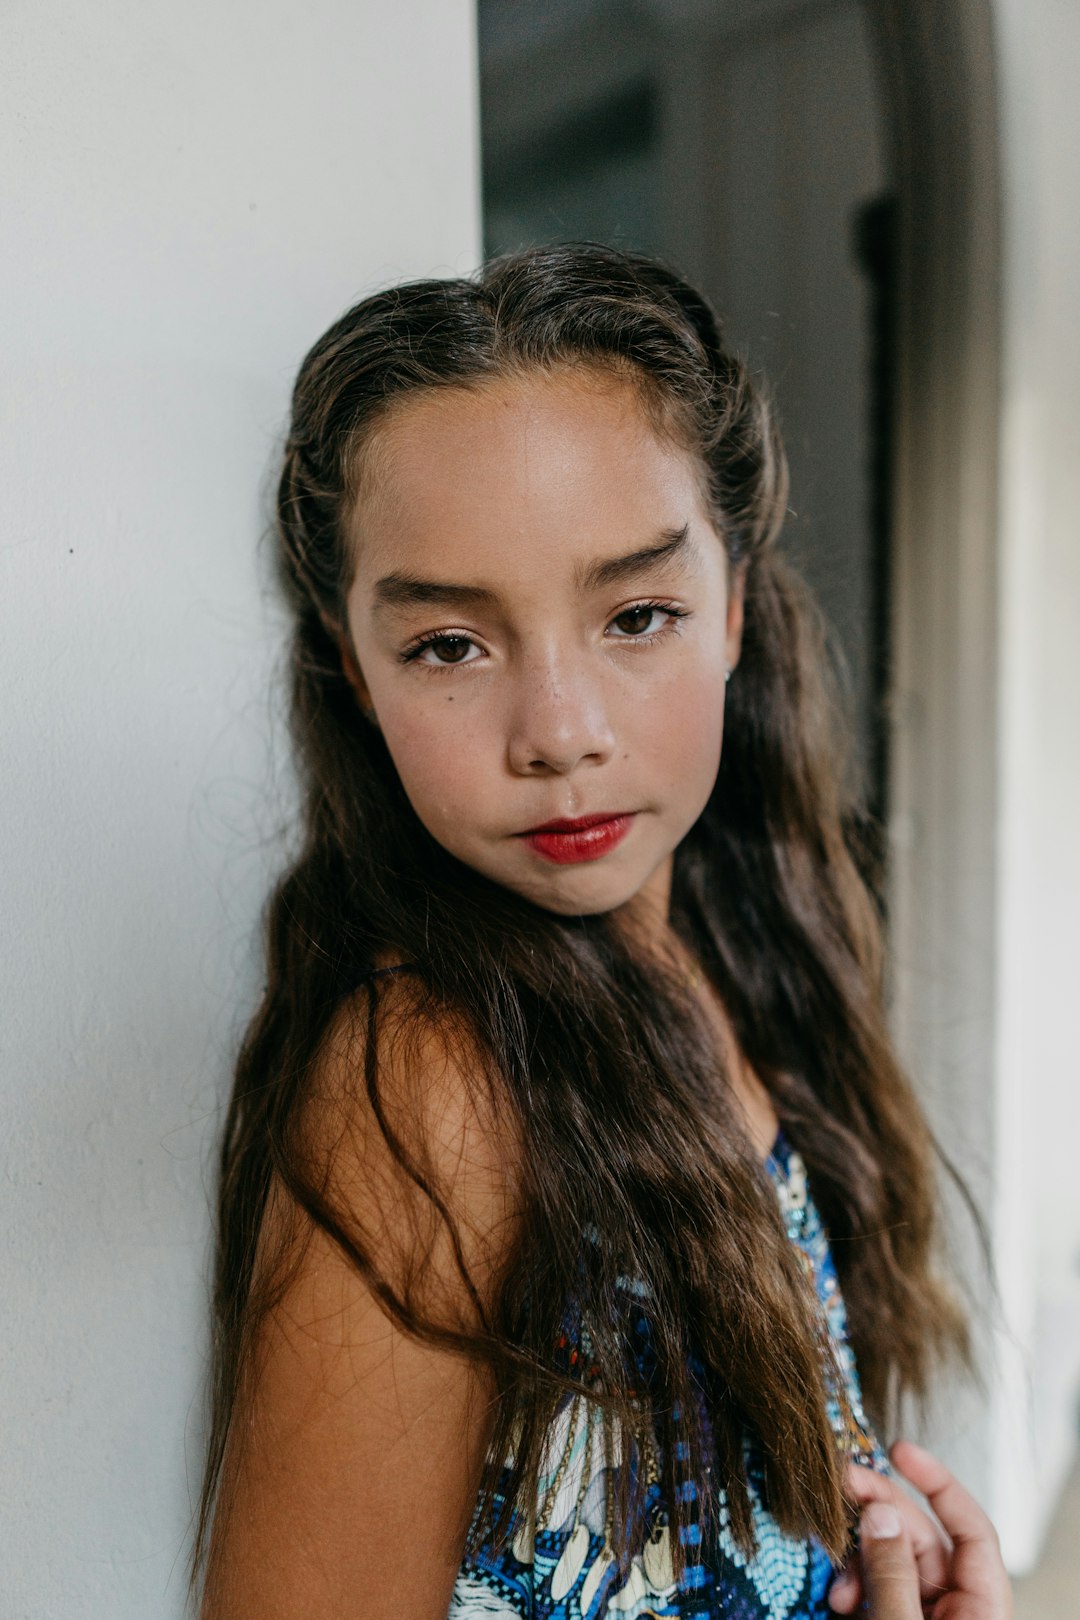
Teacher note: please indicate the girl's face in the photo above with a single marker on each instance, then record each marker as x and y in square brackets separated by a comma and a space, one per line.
[541, 621]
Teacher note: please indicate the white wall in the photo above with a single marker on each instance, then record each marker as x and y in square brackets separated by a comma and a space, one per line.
[1037, 1216]
[189, 196]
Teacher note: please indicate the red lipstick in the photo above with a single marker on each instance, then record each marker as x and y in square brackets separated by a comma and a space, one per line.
[585, 838]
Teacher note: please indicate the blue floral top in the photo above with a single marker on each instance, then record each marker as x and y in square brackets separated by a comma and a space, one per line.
[565, 1571]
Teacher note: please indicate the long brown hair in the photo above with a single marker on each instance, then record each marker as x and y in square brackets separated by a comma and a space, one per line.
[629, 1128]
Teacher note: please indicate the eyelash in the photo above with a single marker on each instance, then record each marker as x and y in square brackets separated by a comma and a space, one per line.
[412, 653]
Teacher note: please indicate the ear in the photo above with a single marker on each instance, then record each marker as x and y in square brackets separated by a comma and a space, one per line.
[349, 665]
[735, 608]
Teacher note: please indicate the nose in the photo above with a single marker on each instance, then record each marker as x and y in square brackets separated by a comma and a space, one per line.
[559, 721]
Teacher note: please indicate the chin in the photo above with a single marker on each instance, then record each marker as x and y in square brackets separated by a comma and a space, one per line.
[570, 908]
[588, 896]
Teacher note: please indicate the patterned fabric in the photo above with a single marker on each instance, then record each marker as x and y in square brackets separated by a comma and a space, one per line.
[566, 1573]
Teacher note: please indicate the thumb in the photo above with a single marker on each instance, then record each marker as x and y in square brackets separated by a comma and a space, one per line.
[890, 1574]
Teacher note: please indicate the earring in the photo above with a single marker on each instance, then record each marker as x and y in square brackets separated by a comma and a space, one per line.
[727, 675]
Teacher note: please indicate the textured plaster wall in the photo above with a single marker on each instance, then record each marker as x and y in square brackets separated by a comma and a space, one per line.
[189, 195]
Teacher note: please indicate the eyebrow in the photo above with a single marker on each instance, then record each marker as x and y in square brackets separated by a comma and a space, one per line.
[670, 546]
[404, 590]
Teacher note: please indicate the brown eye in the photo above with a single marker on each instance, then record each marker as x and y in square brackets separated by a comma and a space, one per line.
[443, 651]
[635, 620]
[451, 649]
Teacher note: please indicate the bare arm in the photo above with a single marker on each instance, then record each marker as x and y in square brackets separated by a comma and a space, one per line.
[356, 1459]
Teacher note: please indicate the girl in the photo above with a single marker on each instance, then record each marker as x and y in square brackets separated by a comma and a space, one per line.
[573, 1046]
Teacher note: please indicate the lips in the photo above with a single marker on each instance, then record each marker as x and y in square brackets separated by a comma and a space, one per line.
[583, 838]
[577, 823]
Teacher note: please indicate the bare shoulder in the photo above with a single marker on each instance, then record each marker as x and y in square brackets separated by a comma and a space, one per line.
[357, 1454]
[415, 1135]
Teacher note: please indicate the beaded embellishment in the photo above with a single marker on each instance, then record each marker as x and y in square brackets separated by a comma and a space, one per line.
[565, 1568]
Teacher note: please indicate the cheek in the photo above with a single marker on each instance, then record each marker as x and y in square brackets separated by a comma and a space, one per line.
[682, 728]
[437, 757]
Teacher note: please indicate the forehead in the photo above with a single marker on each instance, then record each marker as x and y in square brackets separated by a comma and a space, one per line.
[540, 467]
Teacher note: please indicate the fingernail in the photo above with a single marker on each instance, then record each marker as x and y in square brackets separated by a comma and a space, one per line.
[880, 1521]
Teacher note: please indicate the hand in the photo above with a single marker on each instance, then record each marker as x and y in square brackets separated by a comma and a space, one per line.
[906, 1567]
[929, 1544]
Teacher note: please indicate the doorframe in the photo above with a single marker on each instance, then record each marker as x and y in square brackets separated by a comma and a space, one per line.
[939, 84]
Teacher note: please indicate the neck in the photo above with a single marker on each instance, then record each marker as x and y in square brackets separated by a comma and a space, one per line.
[646, 918]
[652, 903]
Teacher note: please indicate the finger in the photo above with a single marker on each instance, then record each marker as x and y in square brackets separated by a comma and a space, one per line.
[892, 1581]
[846, 1593]
[977, 1566]
[930, 1546]
[957, 1509]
